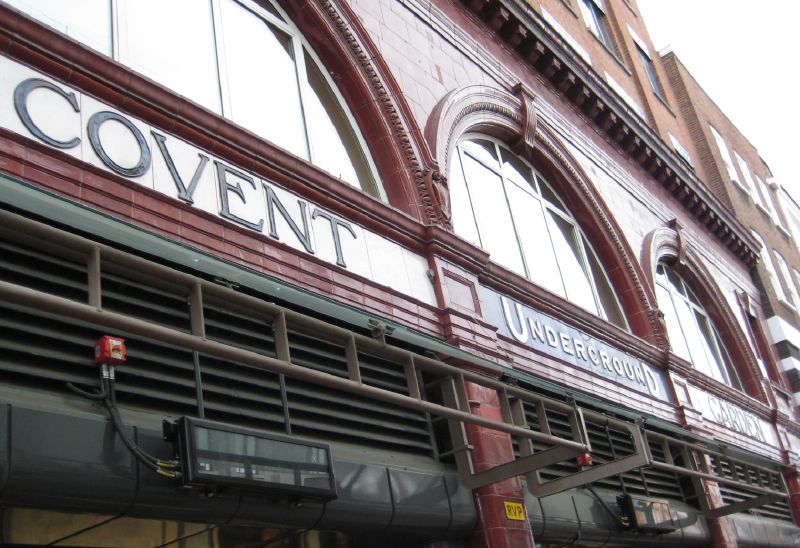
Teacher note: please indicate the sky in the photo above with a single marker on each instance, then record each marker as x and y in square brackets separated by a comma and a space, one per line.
[746, 56]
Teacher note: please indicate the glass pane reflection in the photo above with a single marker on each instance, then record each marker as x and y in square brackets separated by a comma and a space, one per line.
[234, 455]
[516, 221]
[172, 43]
[262, 79]
[334, 146]
[492, 214]
[539, 253]
[579, 290]
[460, 204]
[692, 334]
[87, 21]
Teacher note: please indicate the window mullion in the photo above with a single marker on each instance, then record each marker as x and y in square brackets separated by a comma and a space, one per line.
[114, 8]
[266, 15]
[222, 69]
[516, 230]
[587, 269]
[493, 169]
[304, 88]
[469, 195]
[546, 211]
[503, 181]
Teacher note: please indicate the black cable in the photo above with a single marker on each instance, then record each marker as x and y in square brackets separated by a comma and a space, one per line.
[97, 396]
[107, 395]
[154, 463]
[105, 521]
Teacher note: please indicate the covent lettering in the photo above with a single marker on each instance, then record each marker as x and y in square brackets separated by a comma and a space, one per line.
[229, 179]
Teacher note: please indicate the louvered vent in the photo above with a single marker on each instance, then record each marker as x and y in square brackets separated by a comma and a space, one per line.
[345, 415]
[42, 351]
[779, 510]
[610, 443]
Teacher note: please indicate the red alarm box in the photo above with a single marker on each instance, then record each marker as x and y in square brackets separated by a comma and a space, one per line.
[584, 459]
[110, 350]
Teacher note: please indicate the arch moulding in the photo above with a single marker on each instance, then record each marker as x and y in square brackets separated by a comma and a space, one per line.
[411, 178]
[513, 118]
[666, 244]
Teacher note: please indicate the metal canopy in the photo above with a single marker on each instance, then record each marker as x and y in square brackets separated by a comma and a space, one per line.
[525, 416]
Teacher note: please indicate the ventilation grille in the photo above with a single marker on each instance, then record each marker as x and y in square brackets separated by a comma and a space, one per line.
[608, 443]
[42, 351]
[779, 510]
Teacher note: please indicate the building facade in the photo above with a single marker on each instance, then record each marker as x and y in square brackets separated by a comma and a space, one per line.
[393, 273]
[732, 167]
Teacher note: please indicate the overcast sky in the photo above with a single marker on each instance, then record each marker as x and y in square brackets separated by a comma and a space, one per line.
[746, 56]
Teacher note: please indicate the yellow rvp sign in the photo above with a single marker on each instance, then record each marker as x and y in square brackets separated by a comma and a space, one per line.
[514, 510]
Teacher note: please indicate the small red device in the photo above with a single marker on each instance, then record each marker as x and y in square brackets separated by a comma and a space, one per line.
[110, 350]
[584, 459]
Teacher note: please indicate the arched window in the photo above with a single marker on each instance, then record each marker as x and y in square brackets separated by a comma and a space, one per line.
[692, 334]
[502, 204]
[244, 60]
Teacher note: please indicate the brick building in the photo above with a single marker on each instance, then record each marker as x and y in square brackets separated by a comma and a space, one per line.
[392, 272]
[732, 167]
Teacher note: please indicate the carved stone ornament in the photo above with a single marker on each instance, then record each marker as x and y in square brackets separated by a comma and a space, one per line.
[386, 111]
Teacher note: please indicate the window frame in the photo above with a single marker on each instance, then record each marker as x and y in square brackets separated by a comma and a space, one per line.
[650, 70]
[720, 357]
[747, 177]
[786, 277]
[725, 154]
[596, 20]
[772, 274]
[275, 18]
[682, 151]
[561, 211]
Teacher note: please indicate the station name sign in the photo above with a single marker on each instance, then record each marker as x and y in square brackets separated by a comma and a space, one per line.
[554, 338]
[731, 416]
[38, 107]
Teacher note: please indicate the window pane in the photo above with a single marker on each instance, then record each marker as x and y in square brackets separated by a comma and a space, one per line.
[733, 375]
[515, 171]
[482, 150]
[605, 293]
[334, 146]
[724, 154]
[172, 43]
[492, 214]
[691, 332]
[460, 206]
[783, 268]
[715, 360]
[650, 69]
[549, 195]
[533, 235]
[579, 290]
[261, 79]
[87, 21]
[694, 339]
[676, 338]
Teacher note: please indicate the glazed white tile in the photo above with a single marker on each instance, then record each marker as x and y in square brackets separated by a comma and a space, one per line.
[49, 111]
